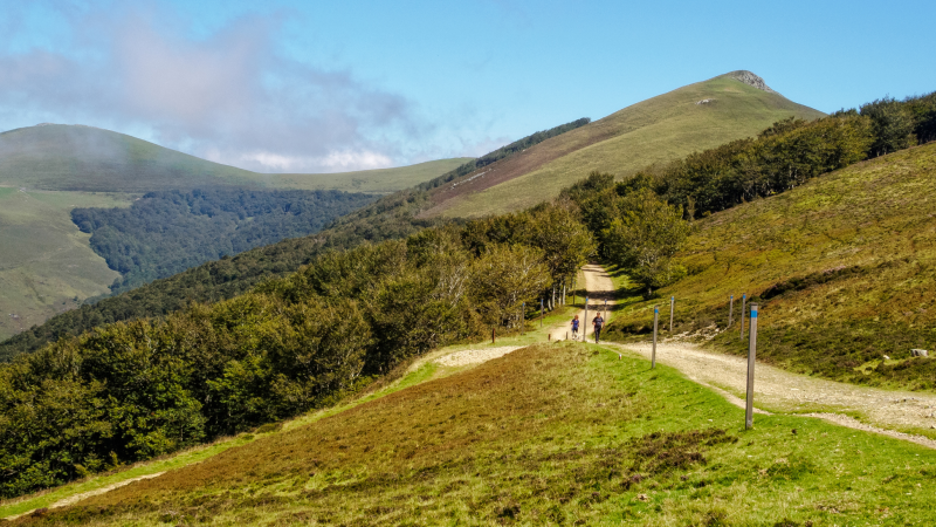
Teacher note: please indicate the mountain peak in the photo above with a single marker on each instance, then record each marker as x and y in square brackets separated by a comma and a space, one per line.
[751, 79]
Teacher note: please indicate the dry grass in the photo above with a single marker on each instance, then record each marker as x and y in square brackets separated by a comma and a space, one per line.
[561, 434]
[658, 130]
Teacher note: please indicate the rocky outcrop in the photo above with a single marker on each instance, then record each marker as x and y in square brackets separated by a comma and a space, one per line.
[751, 79]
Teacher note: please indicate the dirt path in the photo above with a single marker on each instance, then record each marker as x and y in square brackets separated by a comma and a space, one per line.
[600, 298]
[881, 410]
[68, 501]
[478, 355]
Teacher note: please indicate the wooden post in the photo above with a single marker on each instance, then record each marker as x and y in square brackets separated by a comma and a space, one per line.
[743, 303]
[672, 305]
[542, 313]
[656, 320]
[751, 358]
[493, 335]
[730, 310]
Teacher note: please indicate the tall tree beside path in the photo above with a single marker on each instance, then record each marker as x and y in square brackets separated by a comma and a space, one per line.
[645, 237]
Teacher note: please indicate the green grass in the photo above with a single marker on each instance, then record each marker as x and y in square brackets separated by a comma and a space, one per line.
[562, 434]
[378, 181]
[844, 267]
[655, 131]
[45, 262]
[81, 158]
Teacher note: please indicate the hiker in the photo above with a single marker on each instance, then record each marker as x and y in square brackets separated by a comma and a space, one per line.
[575, 324]
[598, 321]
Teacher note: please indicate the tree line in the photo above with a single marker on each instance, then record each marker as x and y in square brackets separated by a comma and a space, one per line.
[164, 233]
[134, 390]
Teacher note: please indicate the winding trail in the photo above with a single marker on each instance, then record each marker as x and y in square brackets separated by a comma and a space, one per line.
[880, 411]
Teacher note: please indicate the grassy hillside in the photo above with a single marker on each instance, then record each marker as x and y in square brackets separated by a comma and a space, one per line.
[845, 268]
[378, 181]
[562, 434]
[82, 158]
[658, 130]
[46, 263]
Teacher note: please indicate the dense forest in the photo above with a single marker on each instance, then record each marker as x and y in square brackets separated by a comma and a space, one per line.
[389, 218]
[135, 390]
[164, 233]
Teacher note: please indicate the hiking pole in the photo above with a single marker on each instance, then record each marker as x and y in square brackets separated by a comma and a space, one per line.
[752, 356]
[656, 319]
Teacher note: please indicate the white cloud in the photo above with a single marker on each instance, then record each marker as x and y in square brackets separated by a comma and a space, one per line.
[229, 97]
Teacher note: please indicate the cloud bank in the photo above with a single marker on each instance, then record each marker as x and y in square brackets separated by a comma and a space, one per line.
[231, 97]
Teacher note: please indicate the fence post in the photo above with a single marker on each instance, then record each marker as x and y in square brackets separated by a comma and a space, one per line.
[493, 335]
[743, 304]
[656, 319]
[730, 310]
[752, 356]
[672, 306]
[542, 313]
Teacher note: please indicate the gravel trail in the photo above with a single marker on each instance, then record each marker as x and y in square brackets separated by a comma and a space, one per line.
[881, 410]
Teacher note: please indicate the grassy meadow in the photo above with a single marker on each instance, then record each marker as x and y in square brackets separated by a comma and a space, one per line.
[46, 263]
[844, 268]
[377, 181]
[658, 130]
[553, 434]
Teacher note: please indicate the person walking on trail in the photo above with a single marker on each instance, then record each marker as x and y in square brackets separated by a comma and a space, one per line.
[598, 321]
[575, 325]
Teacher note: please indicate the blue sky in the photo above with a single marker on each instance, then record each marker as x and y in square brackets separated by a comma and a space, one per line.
[324, 86]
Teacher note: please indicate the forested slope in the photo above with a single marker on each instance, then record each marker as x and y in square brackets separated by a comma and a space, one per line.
[390, 217]
[164, 233]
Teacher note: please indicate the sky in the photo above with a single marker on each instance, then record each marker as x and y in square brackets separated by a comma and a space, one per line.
[330, 86]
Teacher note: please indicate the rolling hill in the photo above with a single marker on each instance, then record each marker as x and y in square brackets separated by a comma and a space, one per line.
[661, 129]
[55, 157]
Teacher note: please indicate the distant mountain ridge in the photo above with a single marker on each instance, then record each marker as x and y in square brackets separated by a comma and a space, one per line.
[664, 128]
[56, 157]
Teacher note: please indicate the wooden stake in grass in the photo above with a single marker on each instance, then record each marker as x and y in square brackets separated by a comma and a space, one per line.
[493, 335]
[656, 320]
[752, 355]
[743, 303]
[730, 310]
[672, 306]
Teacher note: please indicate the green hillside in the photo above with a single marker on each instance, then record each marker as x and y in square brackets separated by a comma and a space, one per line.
[844, 267]
[46, 263]
[658, 130]
[378, 181]
[550, 435]
[47, 266]
[81, 158]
